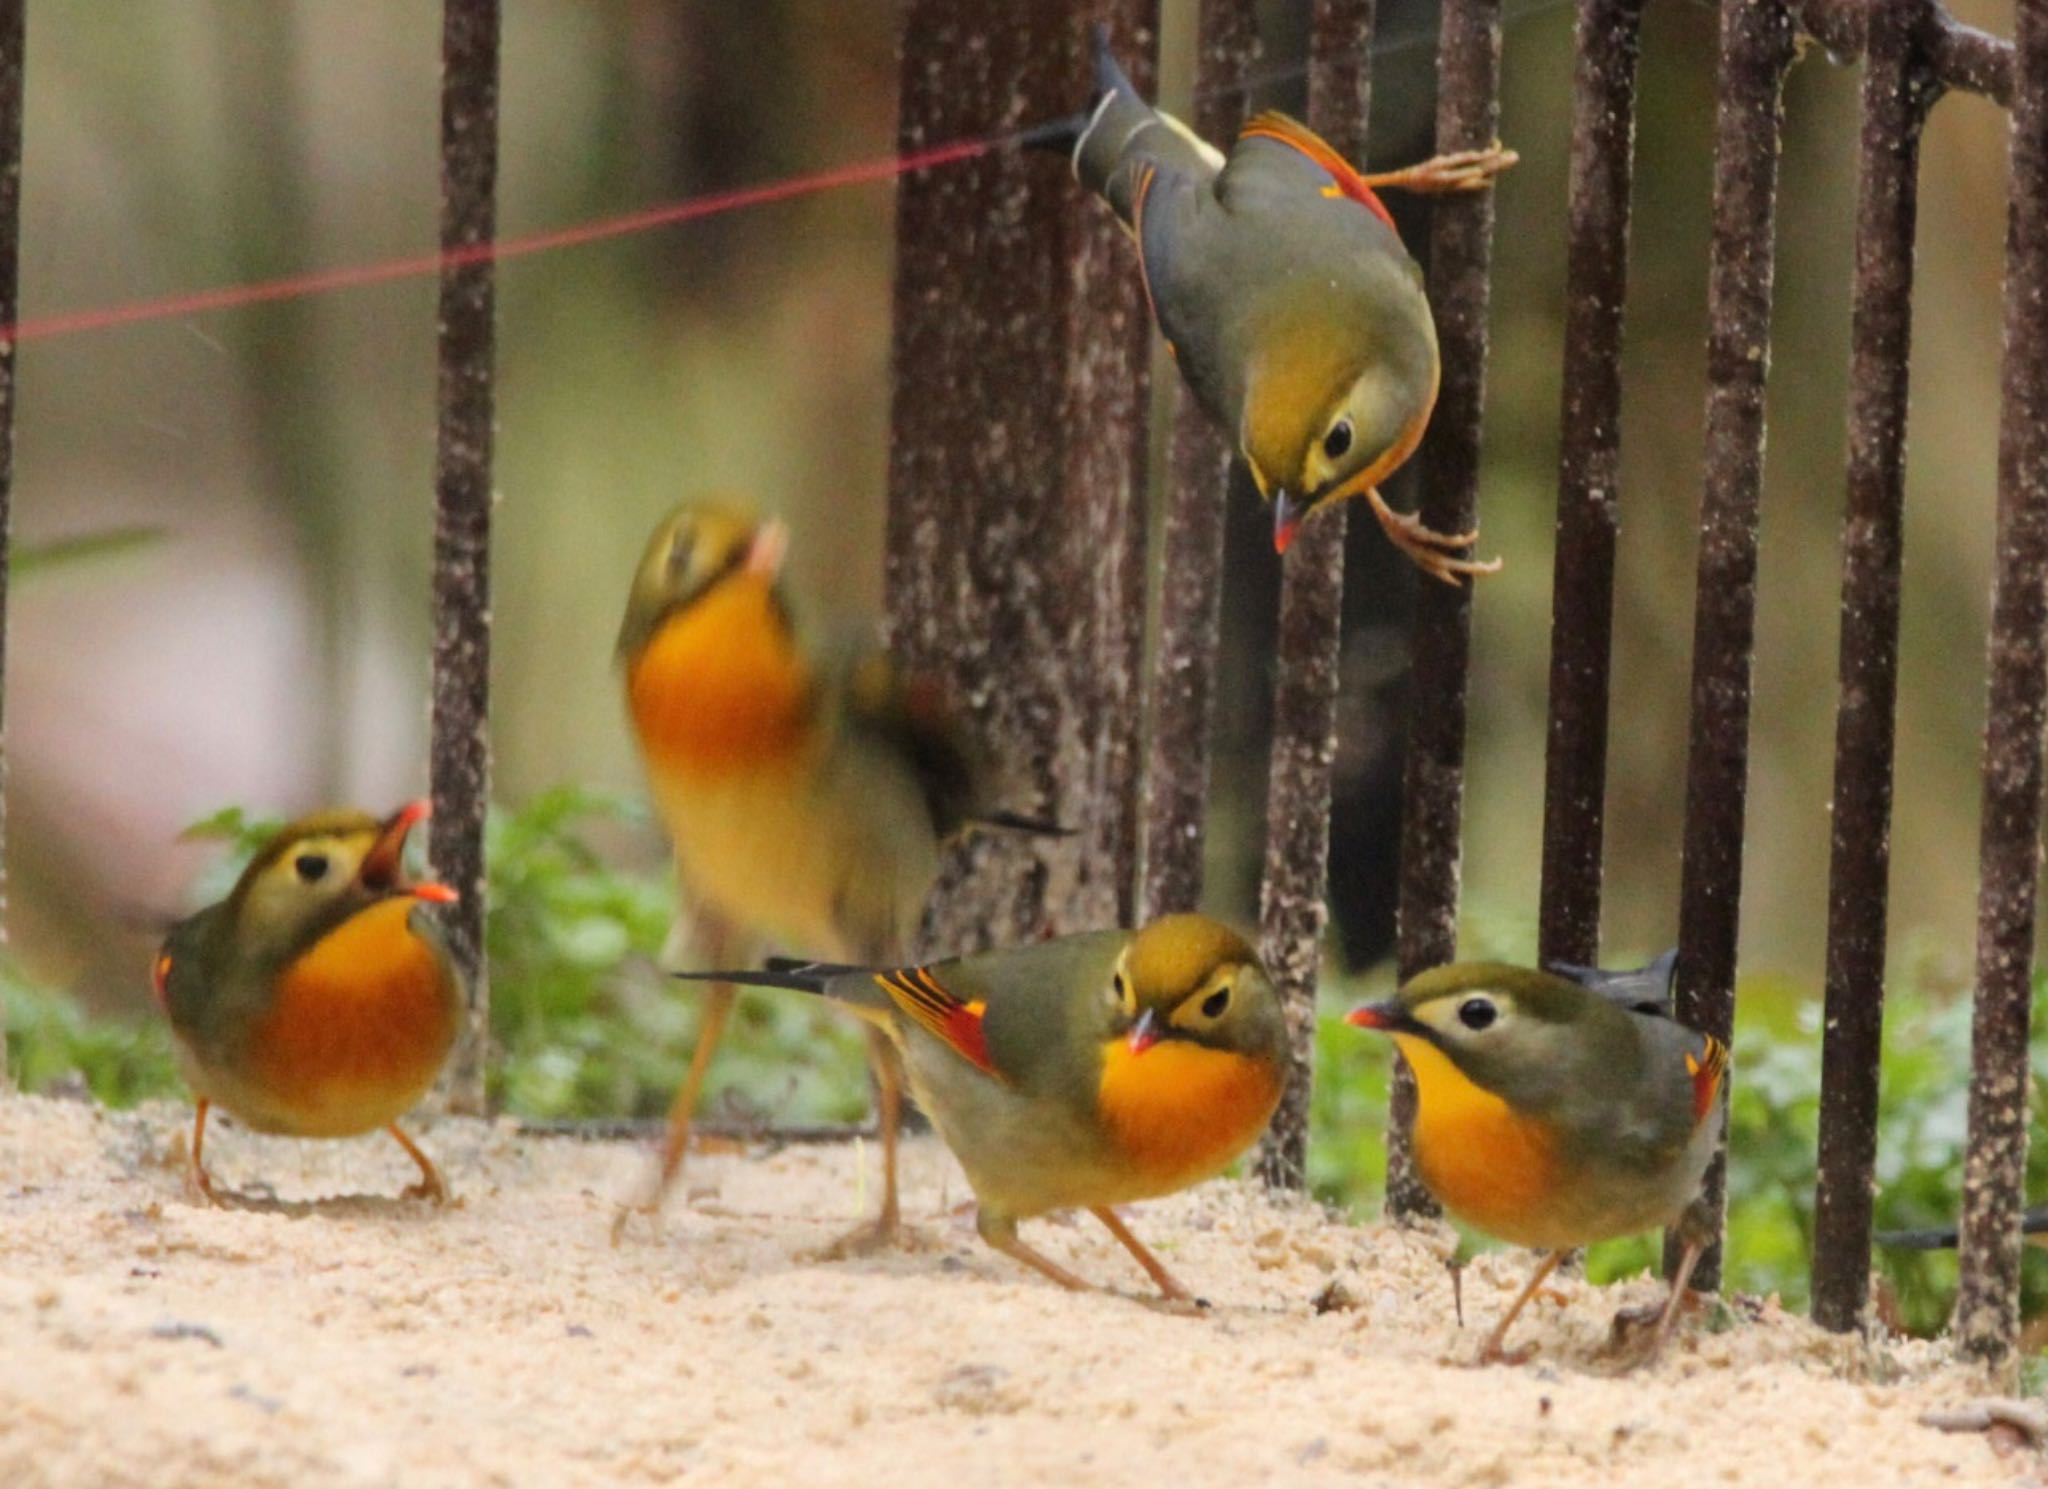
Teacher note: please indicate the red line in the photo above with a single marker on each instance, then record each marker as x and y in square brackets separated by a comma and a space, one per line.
[356, 276]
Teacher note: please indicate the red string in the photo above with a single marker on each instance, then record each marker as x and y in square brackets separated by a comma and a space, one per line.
[356, 276]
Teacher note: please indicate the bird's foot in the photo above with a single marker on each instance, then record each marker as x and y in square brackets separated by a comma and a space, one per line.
[1428, 549]
[199, 1187]
[647, 1207]
[886, 1232]
[431, 1188]
[1496, 1352]
[1461, 170]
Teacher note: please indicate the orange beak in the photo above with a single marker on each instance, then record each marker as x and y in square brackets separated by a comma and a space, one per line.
[383, 867]
[1144, 1033]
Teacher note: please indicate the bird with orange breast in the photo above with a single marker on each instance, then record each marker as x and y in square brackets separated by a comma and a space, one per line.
[319, 998]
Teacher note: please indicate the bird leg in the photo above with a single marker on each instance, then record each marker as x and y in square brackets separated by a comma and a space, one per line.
[1491, 1353]
[1687, 1260]
[1427, 548]
[431, 1185]
[1464, 170]
[195, 1167]
[1170, 1286]
[886, 1229]
[718, 1001]
[1001, 1233]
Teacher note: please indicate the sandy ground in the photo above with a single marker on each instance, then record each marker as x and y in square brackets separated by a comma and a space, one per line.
[351, 1338]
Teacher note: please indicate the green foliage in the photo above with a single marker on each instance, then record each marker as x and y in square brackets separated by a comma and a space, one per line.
[52, 1044]
[585, 1023]
[1774, 1125]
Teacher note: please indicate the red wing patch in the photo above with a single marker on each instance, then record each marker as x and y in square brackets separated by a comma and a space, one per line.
[940, 1013]
[160, 979]
[1273, 125]
[1706, 1070]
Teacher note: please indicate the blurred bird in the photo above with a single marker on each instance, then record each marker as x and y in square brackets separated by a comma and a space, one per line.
[318, 999]
[1552, 1116]
[807, 793]
[1083, 1072]
[1287, 298]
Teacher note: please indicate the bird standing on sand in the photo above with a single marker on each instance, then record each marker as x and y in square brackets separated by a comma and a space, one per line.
[1552, 1115]
[318, 999]
[1084, 1072]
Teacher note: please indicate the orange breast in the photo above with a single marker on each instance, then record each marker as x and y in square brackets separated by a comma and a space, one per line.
[719, 685]
[360, 1025]
[1180, 1112]
[1491, 1168]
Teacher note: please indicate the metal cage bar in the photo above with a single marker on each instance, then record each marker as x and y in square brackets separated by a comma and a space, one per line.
[461, 748]
[1756, 48]
[13, 37]
[1986, 1320]
[1588, 478]
[1898, 90]
[1183, 704]
[1293, 904]
[1460, 283]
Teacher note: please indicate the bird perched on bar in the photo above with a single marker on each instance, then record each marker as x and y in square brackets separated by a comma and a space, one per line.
[807, 792]
[1551, 1115]
[1289, 302]
[1083, 1072]
[318, 999]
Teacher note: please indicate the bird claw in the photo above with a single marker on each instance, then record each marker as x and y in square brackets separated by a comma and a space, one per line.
[649, 1208]
[1493, 1353]
[1427, 548]
[884, 1233]
[1460, 170]
[432, 1190]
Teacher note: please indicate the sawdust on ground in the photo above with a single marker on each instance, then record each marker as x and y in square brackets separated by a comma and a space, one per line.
[351, 1338]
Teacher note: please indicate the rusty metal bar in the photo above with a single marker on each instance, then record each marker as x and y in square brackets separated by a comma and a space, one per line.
[1191, 542]
[1986, 1320]
[1460, 260]
[1959, 57]
[1609, 43]
[1293, 903]
[1756, 49]
[1015, 541]
[461, 748]
[13, 36]
[1898, 90]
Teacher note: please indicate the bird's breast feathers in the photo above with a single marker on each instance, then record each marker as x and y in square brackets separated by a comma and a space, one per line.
[1490, 1166]
[359, 1027]
[720, 687]
[1180, 1112]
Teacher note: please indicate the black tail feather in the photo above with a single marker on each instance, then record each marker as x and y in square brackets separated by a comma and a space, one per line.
[797, 966]
[811, 979]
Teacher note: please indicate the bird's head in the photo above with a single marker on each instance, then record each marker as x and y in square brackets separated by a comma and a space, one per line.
[1512, 1031]
[1336, 402]
[319, 871]
[698, 548]
[1187, 977]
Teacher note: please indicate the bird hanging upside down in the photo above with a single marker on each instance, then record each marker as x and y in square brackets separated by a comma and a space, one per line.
[1286, 296]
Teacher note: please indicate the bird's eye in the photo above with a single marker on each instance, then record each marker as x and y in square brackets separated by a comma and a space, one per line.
[1337, 443]
[1477, 1013]
[680, 549]
[311, 867]
[1215, 1003]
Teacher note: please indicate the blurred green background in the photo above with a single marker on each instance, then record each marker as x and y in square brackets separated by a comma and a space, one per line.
[270, 649]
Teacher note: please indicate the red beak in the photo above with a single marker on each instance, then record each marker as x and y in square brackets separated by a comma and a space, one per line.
[1287, 516]
[1144, 1033]
[383, 866]
[769, 547]
[1374, 1016]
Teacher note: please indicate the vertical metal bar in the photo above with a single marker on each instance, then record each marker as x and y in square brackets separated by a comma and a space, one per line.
[1898, 89]
[1016, 462]
[1191, 542]
[1293, 908]
[1986, 1321]
[461, 749]
[1460, 258]
[1756, 48]
[13, 35]
[1609, 43]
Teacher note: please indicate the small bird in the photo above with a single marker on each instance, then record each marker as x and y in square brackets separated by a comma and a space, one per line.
[318, 999]
[1087, 1071]
[1284, 291]
[807, 792]
[1553, 1116]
